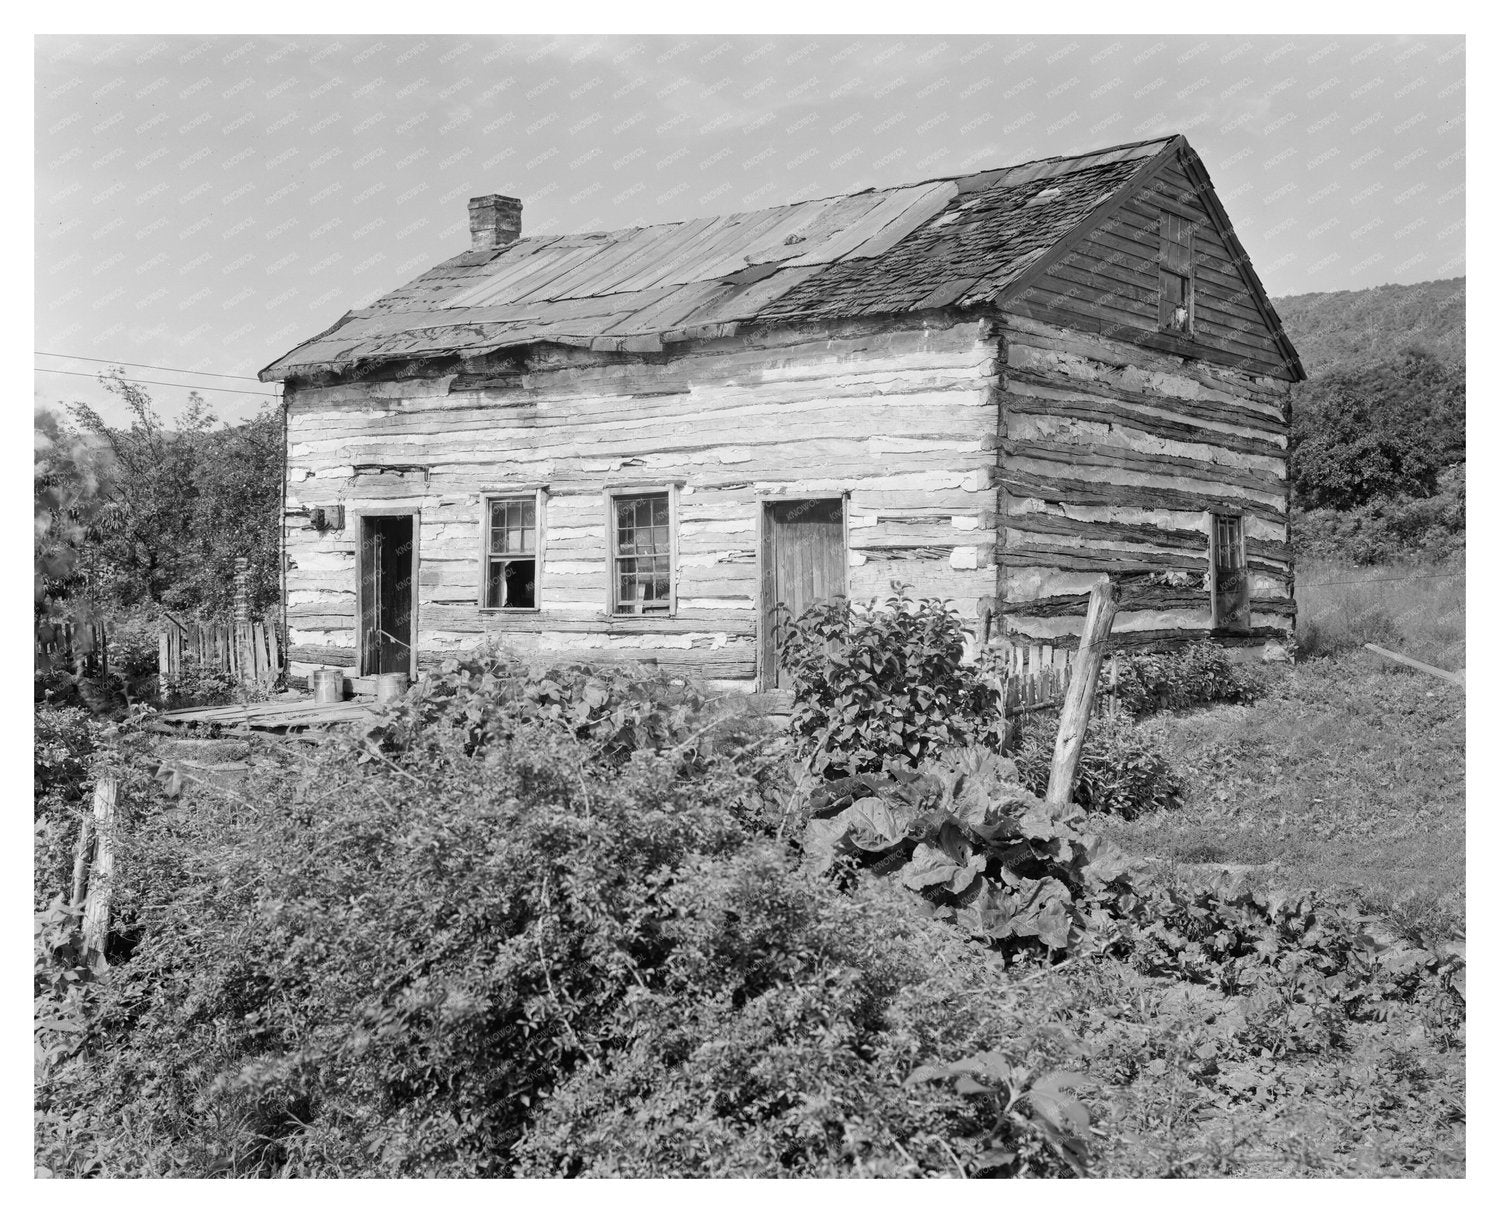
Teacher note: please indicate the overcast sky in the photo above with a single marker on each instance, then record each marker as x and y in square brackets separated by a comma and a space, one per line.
[208, 203]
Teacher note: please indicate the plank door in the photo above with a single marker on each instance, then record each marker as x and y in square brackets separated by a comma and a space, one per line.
[386, 594]
[803, 562]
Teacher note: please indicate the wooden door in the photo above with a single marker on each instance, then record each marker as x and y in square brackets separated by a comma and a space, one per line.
[802, 562]
[386, 594]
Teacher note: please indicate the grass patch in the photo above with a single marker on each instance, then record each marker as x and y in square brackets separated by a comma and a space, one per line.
[1346, 774]
[1418, 611]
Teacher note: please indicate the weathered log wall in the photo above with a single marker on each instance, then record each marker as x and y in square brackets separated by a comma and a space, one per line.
[902, 419]
[1113, 458]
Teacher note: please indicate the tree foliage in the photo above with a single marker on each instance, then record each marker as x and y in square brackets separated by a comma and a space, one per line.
[148, 513]
[1384, 432]
[1350, 330]
[66, 501]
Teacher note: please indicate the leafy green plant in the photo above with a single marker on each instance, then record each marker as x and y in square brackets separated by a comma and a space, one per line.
[880, 687]
[1120, 771]
[1019, 1099]
[979, 848]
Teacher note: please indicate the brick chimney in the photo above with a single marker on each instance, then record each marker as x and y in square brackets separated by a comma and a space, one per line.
[494, 221]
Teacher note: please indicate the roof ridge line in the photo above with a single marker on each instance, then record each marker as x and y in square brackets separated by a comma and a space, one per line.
[870, 189]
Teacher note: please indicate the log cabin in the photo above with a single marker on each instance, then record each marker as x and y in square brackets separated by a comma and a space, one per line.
[633, 444]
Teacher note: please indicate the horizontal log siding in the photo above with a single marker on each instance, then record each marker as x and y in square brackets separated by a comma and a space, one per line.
[904, 420]
[1112, 457]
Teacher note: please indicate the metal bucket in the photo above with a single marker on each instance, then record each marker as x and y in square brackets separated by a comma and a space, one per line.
[328, 686]
[390, 687]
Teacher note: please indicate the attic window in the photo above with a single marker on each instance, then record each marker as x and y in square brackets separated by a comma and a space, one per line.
[1175, 311]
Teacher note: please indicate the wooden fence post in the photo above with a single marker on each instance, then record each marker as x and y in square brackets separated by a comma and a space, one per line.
[1103, 602]
[96, 909]
[83, 853]
[243, 640]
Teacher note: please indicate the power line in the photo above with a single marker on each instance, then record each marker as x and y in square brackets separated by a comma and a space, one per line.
[1317, 585]
[207, 387]
[150, 366]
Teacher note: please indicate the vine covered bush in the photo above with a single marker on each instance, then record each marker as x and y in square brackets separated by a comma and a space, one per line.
[883, 686]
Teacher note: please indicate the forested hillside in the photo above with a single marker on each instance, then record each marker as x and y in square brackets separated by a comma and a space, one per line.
[1378, 433]
[1349, 330]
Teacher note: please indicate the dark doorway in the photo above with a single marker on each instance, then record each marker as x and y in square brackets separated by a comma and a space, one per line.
[802, 562]
[386, 564]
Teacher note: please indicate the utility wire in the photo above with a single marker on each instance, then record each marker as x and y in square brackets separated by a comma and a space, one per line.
[238, 391]
[150, 366]
[1317, 585]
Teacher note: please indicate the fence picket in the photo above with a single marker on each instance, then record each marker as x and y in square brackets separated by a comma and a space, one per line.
[1036, 677]
[249, 651]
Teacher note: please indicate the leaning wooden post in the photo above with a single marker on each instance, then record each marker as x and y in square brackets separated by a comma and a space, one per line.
[96, 909]
[1103, 602]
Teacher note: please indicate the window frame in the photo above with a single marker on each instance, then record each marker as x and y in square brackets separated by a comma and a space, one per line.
[1175, 261]
[1242, 564]
[538, 496]
[613, 494]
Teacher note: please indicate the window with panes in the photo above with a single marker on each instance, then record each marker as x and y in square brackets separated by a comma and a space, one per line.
[641, 553]
[1176, 272]
[511, 554]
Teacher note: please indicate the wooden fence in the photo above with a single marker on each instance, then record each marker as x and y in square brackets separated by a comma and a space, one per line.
[249, 650]
[1036, 677]
[64, 644]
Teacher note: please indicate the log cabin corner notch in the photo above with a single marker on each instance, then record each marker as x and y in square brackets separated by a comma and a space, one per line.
[629, 444]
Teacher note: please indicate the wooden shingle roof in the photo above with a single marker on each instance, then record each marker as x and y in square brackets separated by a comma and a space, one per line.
[954, 241]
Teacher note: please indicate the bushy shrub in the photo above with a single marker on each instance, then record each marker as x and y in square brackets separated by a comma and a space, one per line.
[64, 741]
[880, 687]
[1119, 771]
[1192, 676]
[618, 707]
[488, 938]
[814, 1067]
[404, 952]
[1430, 530]
[388, 961]
[199, 685]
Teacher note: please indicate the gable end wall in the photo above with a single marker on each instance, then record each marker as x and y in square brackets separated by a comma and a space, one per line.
[1109, 281]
